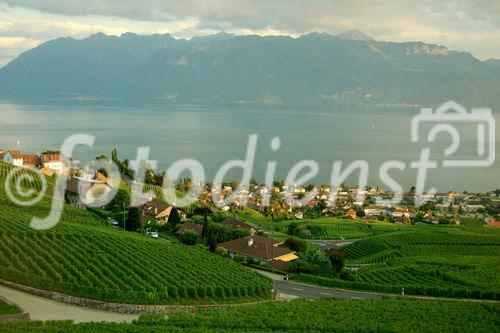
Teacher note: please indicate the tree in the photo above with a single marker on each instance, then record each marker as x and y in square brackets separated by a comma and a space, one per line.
[296, 244]
[212, 242]
[134, 219]
[279, 184]
[189, 237]
[121, 199]
[204, 231]
[450, 207]
[407, 220]
[183, 184]
[336, 259]
[150, 176]
[316, 262]
[174, 218]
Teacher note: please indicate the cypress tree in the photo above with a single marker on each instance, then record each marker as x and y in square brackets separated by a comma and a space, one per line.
[134, 219]
[174, 218]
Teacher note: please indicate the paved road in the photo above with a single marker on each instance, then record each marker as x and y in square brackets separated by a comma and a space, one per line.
[332, 243]
[45, 309]
[309, 291]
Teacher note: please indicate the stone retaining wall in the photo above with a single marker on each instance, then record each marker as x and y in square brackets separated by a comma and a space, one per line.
[14, 318]
[116, 307]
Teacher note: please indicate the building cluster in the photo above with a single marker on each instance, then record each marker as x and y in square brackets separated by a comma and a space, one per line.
[48, 163]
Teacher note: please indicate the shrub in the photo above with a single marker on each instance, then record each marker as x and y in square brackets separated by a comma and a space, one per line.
[189, 237]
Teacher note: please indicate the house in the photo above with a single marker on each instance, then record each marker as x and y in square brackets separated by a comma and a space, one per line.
[299, 215]
[83, 192]
[298, 190]
[31, 160]
[160, 211]
[13, 157]
[442, 206]
[47, 171]
[239, 224]
[399, 213]
[455, 219]
[351, 213]
[491, 222]
[473, 208]
[311, 204]
[374, 210]
[53, 161]
[260, 248]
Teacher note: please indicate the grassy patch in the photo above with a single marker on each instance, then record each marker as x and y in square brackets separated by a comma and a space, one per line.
[7, 309]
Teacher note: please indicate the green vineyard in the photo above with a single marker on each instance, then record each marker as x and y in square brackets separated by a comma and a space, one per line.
[322, 315]
[431, 260]
[28, 177]
[335, 229]
[82, 257]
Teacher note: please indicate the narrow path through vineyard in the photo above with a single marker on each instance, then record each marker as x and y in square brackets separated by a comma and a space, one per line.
[41, 308]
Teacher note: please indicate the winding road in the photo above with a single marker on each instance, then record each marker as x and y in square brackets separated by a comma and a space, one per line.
[312, 292]
[296, 289]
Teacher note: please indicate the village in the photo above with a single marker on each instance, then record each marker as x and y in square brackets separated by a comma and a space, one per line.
[236, 236]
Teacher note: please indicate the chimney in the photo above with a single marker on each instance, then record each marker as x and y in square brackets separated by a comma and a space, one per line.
[250, 242]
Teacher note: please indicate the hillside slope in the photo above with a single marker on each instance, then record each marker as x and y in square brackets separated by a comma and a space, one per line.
[85, 258]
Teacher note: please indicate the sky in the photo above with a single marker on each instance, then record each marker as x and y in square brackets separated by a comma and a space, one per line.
[464, 25]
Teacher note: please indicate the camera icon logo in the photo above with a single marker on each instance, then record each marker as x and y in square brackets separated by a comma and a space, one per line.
[448, 114]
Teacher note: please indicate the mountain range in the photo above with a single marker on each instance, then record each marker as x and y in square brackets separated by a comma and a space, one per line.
[313, 71]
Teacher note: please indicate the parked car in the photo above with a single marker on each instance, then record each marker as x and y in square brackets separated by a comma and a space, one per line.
[113, 222]
[153, 234]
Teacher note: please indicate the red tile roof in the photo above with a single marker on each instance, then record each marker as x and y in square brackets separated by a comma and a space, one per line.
[189, 226]
[493, 224]
[46, 158]
[16, 154]
[30, 160]
[256, 246]
[236, 224]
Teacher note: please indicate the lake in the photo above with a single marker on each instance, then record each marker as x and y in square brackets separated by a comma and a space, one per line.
[215, 135]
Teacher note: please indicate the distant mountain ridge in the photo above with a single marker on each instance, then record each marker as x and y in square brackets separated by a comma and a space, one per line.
[314, 70]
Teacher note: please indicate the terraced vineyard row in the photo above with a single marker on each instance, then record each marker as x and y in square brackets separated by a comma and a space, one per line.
[82, 257]
[377, 258]
[101, 268]
[405, 276]
[400, 240]
[429, 260]
[30, 178]
[301, 315]
[347, 230]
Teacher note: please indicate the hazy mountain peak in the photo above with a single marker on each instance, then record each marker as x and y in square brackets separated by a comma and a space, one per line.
[97, 35]
[213, 38]
[354, 35]
[492, 62]
[317, 35]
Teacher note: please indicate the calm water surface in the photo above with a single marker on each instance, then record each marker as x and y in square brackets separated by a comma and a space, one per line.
[216, 135]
